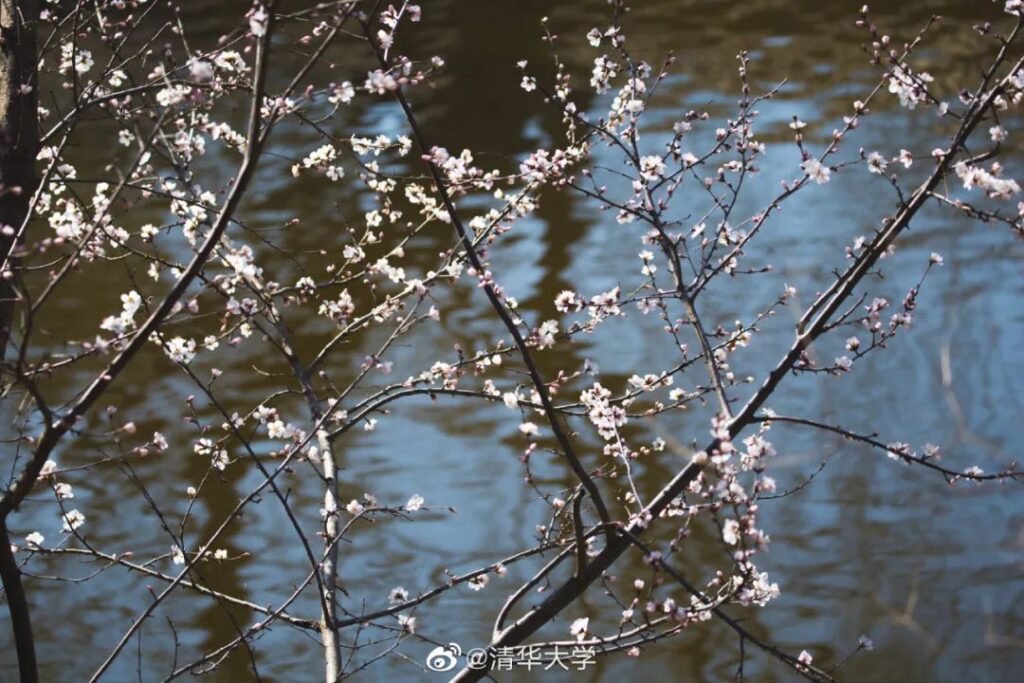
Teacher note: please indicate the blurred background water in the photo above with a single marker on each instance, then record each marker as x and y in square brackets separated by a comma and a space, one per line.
[931, 573]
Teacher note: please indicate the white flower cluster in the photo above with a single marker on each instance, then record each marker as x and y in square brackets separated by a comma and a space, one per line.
[75, 56]
[218, 456]
[975, 176]
[652, 167]
[908, 86]
[342, 93]
[544, 166]
[606, 417]
[181, 350]
[119, 324]
[605, 69]
[816, 171]
[321, 159]
[340, 310]
[605, 305]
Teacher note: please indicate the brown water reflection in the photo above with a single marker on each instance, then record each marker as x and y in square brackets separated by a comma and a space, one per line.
[932, 576]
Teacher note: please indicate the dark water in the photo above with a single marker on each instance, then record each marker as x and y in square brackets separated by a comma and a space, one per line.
[931, 574]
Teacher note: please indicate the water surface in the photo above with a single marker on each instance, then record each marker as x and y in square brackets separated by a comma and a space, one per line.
[930, 573]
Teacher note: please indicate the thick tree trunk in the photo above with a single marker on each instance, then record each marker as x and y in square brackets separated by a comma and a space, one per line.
[19, 143]
[19, 140]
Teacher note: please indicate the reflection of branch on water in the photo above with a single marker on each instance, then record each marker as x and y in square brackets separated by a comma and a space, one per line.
[905, 617]
[964, 434]
[994, 639]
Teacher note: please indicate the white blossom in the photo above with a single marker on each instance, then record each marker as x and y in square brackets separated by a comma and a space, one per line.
[578, 628]
[72, 520]
[528, 428]
[258, 21]
[877, 163]
[731, 532]
[652, 167]
[181, 350]
[816, 171]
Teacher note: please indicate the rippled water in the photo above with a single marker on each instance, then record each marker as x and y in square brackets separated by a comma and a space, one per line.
[931, 574]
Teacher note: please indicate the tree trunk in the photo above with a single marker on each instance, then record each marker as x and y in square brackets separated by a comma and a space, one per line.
[19, 141]
[19, 144]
